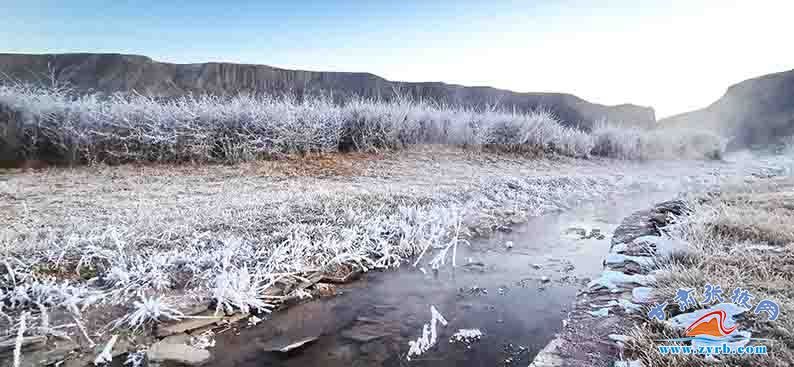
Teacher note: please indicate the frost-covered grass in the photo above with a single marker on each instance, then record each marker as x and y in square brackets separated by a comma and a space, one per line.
[626, 142]
[129, 247]
[58, 125]
[96, 249]
[429, 335]
[741, 237]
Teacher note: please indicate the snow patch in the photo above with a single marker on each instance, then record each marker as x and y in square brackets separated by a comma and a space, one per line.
[641, 294]
[601, 312]
[664, 245]
[629, 307]
[611, 279]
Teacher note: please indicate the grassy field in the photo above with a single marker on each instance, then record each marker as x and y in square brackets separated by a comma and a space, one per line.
[743, 237]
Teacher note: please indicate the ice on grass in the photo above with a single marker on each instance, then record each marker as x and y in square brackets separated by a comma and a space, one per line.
[429, 335]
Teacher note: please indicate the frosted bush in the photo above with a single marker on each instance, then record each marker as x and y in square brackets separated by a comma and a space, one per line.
[149, 310]
[240, 289]
[634, 143]
[61, 126]
[429, 335]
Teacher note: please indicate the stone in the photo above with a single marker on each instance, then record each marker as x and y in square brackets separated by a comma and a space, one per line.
[612, 279]
[628, 364]
[187, 324]
[628, 306]
[619, 338]
[549, 356]
[620, 260]
[662, 246]
[601, 312]
[28, 342]
[177, 353]
[180, 338]
[642, 295]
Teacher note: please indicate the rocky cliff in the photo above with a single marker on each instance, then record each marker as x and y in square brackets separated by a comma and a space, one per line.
[757, 111]
[110, 73]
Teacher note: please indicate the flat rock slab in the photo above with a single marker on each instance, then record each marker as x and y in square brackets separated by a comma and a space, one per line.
[186, 325]
[9, 344]
[177, 353]
[549, 356]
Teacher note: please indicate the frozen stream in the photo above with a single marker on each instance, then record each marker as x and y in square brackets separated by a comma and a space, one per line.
[516, 296]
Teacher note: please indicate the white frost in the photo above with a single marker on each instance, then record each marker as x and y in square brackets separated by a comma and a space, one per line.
[466, 336]
[611, 279]
[641, 294]
[664, 245]
[106, 356]
[429, 335]
[601, 312]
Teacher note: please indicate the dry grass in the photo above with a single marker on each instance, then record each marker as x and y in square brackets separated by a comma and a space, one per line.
[741, 237]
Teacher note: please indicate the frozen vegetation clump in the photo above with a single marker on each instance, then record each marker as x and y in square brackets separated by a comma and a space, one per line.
[633, 143]
[429, 336]
[466, 336]
[60, 126]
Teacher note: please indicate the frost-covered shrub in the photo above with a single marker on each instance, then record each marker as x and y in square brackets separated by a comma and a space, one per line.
[149, 310]
[240, 289]
[57, 125]
[623, 142]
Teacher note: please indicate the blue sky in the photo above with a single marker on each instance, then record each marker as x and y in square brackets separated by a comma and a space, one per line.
[672, 55]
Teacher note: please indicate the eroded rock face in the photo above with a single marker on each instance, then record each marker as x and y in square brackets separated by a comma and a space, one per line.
[114, 72]
[755, 111]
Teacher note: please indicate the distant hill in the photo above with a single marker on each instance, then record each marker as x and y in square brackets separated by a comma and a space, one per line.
[757, 111]
[110, 73]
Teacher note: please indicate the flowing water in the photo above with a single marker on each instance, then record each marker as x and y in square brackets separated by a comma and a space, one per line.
[517, 297]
